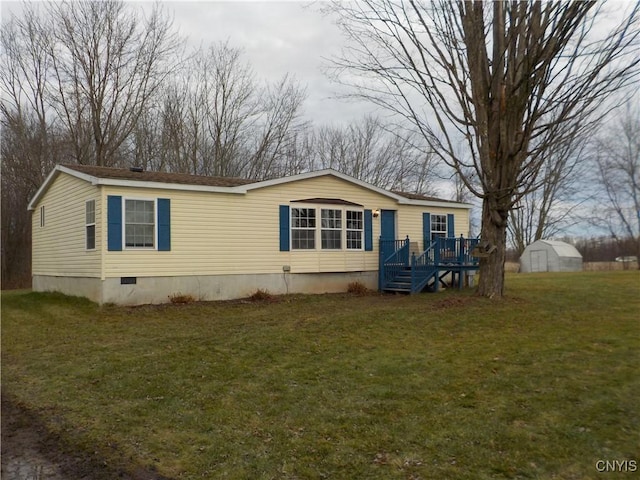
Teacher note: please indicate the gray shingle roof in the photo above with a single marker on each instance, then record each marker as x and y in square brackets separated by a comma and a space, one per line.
[162, 177]
[187, 179]
[419, 196]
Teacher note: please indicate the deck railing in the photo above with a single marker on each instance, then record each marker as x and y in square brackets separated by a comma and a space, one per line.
[393, 246]
[422, 267]
[392, 264]
[456, 250]
[438, 255]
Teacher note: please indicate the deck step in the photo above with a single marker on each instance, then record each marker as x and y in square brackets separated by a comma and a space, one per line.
[402, 282]
[397, 290]
[398, 286]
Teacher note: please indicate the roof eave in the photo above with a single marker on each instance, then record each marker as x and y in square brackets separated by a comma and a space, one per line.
[52, 176]
[320, 173]
[329, 171]
[435, 203]
[114, 182]
[240, 189]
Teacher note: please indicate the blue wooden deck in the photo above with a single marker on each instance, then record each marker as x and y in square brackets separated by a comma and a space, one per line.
[404, 271]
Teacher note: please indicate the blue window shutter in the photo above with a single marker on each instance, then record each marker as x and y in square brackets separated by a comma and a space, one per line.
[285, 221]
[164, 224]
[450, 227]
[426, 229]
[114, 223]
[368, 231]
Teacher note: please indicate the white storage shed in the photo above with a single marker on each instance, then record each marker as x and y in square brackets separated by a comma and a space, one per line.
[550, 256]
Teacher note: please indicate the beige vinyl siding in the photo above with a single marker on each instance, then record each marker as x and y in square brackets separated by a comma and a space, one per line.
[215, 233]
[59, 248]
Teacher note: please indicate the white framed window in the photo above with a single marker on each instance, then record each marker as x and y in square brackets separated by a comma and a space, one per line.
[139, 223]
[42, 216]
[331, 231]
[355, 229]
[303, 228]
[90, 224]
[438, 226]
[335, 229]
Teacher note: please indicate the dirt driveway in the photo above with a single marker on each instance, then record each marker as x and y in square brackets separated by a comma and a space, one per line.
[30, 452]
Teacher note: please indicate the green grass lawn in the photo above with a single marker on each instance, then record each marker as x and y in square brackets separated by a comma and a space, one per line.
[542, 384]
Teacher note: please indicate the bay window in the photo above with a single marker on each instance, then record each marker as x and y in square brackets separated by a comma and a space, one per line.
[337, 229]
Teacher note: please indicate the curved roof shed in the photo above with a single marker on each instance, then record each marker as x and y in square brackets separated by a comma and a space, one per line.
[550, 256]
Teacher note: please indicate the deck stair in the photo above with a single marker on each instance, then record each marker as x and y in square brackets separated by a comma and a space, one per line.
[401, 282]
[407, 270]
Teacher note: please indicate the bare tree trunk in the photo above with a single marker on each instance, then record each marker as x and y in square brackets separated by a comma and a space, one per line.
[494, 235]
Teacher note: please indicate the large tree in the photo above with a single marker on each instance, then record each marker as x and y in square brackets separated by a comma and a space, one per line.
[508, 80]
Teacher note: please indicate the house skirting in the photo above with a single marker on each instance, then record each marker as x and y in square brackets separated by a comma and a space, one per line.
[77, 286]
[144, 290]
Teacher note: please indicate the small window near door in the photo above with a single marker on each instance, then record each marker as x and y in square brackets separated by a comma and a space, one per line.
[438, 226]
[90, 224]
[42, 216]
[355, 228]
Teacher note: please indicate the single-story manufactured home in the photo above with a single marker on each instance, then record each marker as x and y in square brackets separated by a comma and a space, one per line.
[128, 236]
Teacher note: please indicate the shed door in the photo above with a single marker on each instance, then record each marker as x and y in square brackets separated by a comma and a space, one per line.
[539, 261]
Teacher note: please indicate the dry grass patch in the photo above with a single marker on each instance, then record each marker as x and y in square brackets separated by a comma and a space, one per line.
[261, 295]
[358, 288]
[604, 266]
[181, 298]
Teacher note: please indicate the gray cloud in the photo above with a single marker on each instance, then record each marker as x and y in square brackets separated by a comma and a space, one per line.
[277, 38]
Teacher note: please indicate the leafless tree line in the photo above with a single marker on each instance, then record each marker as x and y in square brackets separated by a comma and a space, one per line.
[592, 181]
[103, 83]
[617, 176]
[553, 207]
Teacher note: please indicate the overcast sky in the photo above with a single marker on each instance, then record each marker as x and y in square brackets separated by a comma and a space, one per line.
[277, 38]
